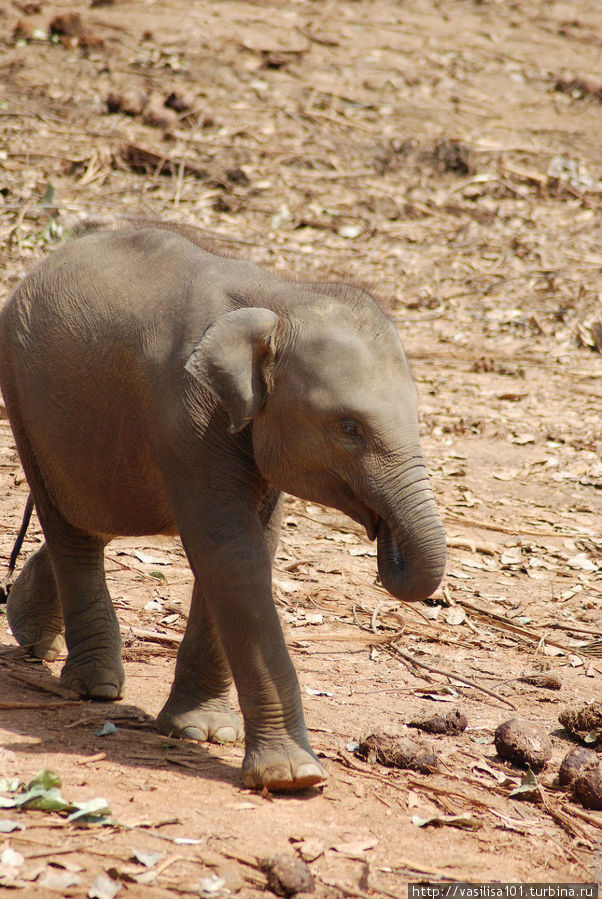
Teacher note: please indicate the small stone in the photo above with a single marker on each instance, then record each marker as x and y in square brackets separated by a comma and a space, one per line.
[523, 743]
[287, 874]
[573, 763]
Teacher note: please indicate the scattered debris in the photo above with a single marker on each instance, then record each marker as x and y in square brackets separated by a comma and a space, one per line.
[309, 850]
[158, 115]
[106, 730]
[43, 794]
[71, 32]
[589, 334]
[451, 155]
[129, 102]
[104, 888]
[580, 86]
[464, 822]
[523, 743]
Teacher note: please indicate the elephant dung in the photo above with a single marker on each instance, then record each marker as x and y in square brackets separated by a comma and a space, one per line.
[287, 874]
[585, 722]
[588, 786]
[523, 743]
[397, 751]
[452, 722]
[573, 763]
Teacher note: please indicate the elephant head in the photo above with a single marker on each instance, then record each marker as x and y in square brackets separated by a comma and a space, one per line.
[333, 407]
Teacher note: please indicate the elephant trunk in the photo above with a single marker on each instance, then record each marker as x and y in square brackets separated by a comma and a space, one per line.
[411, 546]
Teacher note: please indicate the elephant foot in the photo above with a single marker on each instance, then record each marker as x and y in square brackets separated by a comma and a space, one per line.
[94, 678]
[283, 767]
[212, 721]
[43, 643]
[34, 611]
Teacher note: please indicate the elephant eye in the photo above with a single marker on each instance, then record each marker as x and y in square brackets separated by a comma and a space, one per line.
[349, 428]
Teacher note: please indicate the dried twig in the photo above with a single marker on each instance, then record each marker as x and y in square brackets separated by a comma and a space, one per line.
[6, 705]
[433, 669]
[501, 623]
[38, 684]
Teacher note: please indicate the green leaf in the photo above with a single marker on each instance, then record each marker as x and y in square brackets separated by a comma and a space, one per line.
[44, 779]
[527, 789]
[92, 810]
[49, 193]
[44, 800]
[159, 576]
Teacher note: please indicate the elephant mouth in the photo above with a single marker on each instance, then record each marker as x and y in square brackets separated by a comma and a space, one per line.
[371, 524]
[368, 519]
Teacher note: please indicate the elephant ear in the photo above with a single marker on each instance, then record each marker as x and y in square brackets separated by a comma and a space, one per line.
[234, 360]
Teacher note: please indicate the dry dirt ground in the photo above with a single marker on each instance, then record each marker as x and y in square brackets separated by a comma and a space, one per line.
[449, 154]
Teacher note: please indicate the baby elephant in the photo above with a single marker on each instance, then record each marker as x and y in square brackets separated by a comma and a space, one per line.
[156, 388]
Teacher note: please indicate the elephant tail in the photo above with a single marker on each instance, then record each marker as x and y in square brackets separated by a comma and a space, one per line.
[4, 589]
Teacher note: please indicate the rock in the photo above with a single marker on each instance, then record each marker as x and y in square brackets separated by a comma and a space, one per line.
[452, 722]
[397, 751]
[588, 786]
[573, 762]
[288, 874]
[523, 743]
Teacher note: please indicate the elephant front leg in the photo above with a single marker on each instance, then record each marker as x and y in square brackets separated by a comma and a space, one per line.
[199, 707]
[236, 577]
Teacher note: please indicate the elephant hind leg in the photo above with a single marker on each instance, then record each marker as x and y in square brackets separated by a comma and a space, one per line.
[198, 707]
[34, 609]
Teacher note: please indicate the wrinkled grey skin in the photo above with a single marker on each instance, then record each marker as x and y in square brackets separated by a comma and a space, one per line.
[156, 388]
